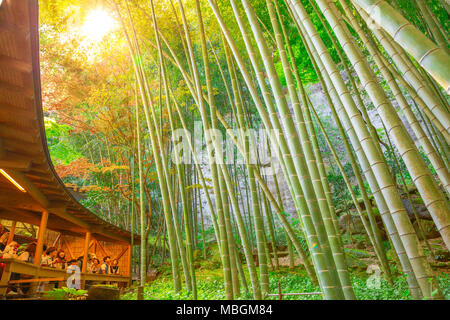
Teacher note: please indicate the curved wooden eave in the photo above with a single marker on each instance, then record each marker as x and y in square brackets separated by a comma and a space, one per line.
[23, 146]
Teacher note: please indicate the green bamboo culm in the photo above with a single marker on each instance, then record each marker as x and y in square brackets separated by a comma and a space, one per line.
[434, 59]
[355, 126]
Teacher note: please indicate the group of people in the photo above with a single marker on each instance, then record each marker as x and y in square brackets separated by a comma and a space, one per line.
[53, 258]
[4, 236]
[11, 251]
[107, 267]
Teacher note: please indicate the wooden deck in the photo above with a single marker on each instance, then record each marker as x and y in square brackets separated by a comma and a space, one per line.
[48, 274]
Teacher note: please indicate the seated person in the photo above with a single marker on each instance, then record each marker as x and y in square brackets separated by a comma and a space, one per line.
[3, 240]
[93, 266]
[48, 258]
[80, 261]
[28, 254]
[115, 267]
[10, 251]
[60, 261]
[104, 268]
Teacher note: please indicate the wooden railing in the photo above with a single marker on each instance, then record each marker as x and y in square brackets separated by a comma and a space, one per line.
[280, 294]
[40, 274]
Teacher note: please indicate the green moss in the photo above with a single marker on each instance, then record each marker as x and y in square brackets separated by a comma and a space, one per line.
[63, 293]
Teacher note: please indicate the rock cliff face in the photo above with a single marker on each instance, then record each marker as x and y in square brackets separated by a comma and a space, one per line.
[245, 199]
[319, 101]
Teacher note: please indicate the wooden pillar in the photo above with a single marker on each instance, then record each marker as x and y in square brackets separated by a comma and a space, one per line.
[87, 239]
[57, 243]
[39, 247]
[12, 232]
[4, 279]
[40, 240]
[130, 267]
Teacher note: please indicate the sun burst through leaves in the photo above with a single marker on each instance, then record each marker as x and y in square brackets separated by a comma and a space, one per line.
[98, 23]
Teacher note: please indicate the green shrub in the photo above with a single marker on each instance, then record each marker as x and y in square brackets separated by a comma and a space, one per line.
[63, 293]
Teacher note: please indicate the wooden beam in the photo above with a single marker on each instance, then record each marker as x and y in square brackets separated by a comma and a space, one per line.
[61, 211]
[38, 178]
[19, 65]
[2, 148]
[21, 164]
[85, 257]
[16, 199]
[22, 110]
[42, 171]
[50, 188]
[41, 235]
[18, 118]
[110, 234]
[20, 90]
[35, 280]
[101, 248]
[122, 252]
[56, 240]
[20, 134]
[12, 231]
[23, 148]
[64, 241]
[26, 183]
[4, 279]
[86, 251]
[54, 223]
[20, 216]
[19, 31]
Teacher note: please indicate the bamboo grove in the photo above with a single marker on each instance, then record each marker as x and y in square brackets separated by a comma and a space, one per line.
[389, 58]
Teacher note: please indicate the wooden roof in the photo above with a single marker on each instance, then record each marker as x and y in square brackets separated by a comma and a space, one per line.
[23, 146]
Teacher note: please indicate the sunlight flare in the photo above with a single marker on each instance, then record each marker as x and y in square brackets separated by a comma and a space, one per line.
[98, 24]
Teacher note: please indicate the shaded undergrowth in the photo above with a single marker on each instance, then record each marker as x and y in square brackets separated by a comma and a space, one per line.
[210, 286]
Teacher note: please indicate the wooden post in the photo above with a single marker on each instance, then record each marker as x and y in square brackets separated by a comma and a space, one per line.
[64, 241]
[130, 269]
[87, 239]
[41, 235]
[86, 251]
[4, 279]
[12, 232]
[280, 295]
[39, 246]
[57, 243]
